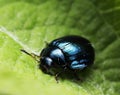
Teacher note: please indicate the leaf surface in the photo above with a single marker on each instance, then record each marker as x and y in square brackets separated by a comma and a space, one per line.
[29, 23]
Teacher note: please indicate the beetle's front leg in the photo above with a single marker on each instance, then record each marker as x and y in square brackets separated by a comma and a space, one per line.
[56, 76]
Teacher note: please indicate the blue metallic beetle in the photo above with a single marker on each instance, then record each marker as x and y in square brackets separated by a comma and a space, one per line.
[71, 53]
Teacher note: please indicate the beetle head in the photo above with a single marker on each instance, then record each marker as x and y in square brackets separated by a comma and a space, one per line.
[45, 64]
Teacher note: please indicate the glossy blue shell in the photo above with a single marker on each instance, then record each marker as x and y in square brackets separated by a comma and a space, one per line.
[78, 51]
[71, 52]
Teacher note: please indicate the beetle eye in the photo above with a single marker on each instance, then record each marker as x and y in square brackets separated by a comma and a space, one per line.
[43, 68]
[45, 64]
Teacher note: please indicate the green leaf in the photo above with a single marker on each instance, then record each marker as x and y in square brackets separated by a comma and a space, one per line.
[29, 23]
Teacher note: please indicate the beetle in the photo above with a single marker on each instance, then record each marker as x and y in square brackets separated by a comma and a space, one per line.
[71, 53]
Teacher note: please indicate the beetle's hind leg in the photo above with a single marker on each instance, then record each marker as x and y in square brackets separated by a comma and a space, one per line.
[76, 76]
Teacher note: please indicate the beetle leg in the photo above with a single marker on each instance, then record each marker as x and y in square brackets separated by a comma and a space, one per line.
[46, 43]
[76, 76]
[56, 76]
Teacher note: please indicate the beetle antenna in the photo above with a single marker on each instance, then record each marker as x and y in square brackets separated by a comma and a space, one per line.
[34, 56]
